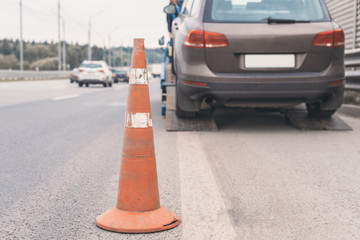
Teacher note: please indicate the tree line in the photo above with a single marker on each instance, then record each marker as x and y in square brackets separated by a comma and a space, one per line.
[44, 55]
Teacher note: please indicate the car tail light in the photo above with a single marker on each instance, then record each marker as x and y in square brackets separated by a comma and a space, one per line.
[195, 39]
[81, 70]
[204, 39]
[333, 38]
[339, 38]
[101, 71]
[214, 40]
[114, 75]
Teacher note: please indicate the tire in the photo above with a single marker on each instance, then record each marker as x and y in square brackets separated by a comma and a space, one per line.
[172, 58]
[86, 85]
[179, 112]
[105, 85]
[110, 84]
[80, 84]
[314, 110]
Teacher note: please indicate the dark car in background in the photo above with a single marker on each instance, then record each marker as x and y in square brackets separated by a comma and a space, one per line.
[120, 75]
[264, 53]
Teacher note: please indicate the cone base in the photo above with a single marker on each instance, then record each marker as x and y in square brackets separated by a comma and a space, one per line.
[117, 220]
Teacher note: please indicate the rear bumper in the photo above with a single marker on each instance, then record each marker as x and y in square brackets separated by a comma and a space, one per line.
[93, 78]
[261, 92]
[121, 79]
[258, 91]
[92, 81]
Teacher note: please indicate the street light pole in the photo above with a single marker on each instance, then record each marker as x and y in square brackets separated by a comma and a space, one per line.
[64, 47]
[121, 54]
[59, 48]
[89, 35]
[110, 51]
[122, 50]
[110, 47]
[89, 46]
[104, 49]
[21, 41]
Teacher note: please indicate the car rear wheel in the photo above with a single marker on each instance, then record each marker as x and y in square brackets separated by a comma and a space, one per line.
[80, 84]
[105, 84]
[87, 85]
[314, 109]
[179, 112]
[110, 84]
[172, 59]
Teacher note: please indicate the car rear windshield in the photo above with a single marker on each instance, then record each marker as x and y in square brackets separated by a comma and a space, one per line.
[90, 65]
[259, 11]
[120, 72]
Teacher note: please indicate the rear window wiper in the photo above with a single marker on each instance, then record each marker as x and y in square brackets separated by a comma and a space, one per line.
[271, 20]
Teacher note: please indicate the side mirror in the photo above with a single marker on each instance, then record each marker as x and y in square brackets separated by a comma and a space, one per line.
[161, 41]
[170, 9]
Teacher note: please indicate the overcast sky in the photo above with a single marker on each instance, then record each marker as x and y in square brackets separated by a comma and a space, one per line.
[122, 20]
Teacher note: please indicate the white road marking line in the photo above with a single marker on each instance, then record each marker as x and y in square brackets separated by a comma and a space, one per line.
[204, 214]
[66, 97]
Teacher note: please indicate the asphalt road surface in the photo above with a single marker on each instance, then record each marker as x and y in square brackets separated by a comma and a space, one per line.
[256, 178]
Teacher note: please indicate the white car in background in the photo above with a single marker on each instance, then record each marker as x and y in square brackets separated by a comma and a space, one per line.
[156, 70]
[94, 72]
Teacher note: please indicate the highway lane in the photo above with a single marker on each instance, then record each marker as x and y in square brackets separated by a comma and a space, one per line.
[30, 91]
[281, 183]
[60, 160]
[256, 178]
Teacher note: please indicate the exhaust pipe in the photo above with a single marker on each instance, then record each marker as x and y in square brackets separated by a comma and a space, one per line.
[209, 100]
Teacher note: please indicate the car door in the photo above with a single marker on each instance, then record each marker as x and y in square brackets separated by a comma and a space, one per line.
[189, 18]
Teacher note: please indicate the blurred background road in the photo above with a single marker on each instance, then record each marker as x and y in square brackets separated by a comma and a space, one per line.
[256, 178]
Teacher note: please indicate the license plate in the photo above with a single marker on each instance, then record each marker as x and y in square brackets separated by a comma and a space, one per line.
[270, 61]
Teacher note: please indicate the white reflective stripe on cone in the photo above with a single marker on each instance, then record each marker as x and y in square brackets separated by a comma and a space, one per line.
[138, 120]
[139, 76]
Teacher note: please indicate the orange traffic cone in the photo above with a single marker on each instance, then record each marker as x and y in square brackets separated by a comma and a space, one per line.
[138, 206]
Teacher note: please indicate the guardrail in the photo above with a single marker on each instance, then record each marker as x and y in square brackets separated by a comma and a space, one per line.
[352, 60]
[11, 75]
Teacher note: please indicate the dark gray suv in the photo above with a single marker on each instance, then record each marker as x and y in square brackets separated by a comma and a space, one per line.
[257, 53]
